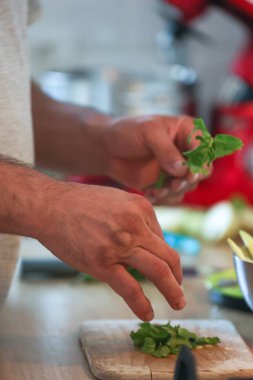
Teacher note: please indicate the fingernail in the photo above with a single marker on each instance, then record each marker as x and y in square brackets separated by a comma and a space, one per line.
[182, 185]
[181, 304]
[176, 166]
[195, 178]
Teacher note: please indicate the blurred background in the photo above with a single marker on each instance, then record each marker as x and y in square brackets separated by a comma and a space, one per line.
[85, 34]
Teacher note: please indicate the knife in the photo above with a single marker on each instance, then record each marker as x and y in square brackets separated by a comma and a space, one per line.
[185, 365]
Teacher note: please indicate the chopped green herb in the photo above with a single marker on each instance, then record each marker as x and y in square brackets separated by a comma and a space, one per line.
[163, 340]
[209, 148]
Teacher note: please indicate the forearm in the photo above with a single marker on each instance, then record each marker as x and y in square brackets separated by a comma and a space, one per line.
[68, 138]
[26, 197]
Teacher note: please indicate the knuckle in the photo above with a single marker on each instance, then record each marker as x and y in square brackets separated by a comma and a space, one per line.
[132, 293]
[149, 126]
[123, 239]
[133, 220]
[175, 261]
[143, 202]
[133, 224]
[161, 270]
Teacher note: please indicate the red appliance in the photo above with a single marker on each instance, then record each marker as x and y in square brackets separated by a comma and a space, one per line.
[233, 114]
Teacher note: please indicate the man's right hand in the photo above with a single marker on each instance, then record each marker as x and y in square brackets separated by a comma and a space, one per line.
[101, 231]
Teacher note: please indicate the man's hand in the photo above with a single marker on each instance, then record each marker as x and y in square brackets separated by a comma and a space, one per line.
[102, 231]
[97, 230]
[139, 148]
[133, 151]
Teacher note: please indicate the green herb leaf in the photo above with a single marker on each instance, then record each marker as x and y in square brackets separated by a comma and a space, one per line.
[148, 346]
[163, 340]
[160, 182]
[209, 148]
[224, 145]
[197, 158]
[200, 126]
[161, 352]
[239, 202]
[212, 341]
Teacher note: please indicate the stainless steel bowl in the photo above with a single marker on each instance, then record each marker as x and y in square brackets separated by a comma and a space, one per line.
[244, 272]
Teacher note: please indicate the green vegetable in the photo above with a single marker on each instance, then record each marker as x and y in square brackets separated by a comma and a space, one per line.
[239, 202]
[160, 182]
[84, 277]
[163, 340]
[209, 148]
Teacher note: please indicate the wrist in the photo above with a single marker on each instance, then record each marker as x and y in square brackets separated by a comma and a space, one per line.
[96, 130]
[39, 216]
[26, 200]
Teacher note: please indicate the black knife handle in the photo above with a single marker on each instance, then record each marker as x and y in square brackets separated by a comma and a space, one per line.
[185, 365]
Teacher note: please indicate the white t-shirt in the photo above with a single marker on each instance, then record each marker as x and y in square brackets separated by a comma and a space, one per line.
[16, 138]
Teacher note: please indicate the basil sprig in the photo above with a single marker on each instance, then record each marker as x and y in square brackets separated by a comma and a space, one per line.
[210, 148]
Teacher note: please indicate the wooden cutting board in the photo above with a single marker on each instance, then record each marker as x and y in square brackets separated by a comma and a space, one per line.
[111, 353]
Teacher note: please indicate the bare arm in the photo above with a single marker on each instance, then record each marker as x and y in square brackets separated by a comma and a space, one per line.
[68, 138]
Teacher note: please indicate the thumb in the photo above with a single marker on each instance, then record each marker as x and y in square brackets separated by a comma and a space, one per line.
[167, 154]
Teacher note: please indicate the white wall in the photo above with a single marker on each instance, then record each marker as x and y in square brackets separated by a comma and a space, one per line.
[83, 31]
[75, 33]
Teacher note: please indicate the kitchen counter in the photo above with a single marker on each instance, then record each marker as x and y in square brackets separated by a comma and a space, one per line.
[39, 323]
